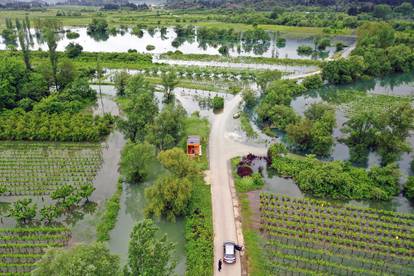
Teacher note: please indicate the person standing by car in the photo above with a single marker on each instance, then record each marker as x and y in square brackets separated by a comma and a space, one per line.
[220, 263]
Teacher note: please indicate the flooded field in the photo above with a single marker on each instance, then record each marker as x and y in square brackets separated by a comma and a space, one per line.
[125, 40]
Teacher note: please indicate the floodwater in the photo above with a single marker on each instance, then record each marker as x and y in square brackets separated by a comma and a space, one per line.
[125, 40]
[394, 85]
[295, 69]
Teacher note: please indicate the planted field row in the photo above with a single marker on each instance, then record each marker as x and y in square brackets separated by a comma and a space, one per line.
[21, 248]
[42, 168]
[317, 238]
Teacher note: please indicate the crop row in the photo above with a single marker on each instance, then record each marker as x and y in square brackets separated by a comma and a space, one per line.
[376, 266]
[268, 198]
[349, 220]
[338, 225]
[286, 238]
[305, 236]
[22, 247]
[40, 171]
[327, 212]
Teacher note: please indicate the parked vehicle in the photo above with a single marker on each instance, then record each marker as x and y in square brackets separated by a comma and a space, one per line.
[229, 252]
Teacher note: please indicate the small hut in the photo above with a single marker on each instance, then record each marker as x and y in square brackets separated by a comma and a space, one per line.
[194, 146]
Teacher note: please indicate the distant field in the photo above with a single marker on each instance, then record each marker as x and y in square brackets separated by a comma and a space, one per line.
[39, 168]
[155, 17]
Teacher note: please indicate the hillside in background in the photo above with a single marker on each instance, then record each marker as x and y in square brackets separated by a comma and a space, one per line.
[270, 4]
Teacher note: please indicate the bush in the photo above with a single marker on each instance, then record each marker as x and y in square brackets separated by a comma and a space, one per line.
[304, 50]
[409, 188]
[218, 103]
[249, 183]
[313, 82]
[150, 47]
[73, 50]
[72, 35]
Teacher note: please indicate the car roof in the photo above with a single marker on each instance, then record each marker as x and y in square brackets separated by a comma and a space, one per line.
[229, 248]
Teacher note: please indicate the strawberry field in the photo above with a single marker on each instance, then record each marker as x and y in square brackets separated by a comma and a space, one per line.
[313, 237]
[21, 247]
[39, 168]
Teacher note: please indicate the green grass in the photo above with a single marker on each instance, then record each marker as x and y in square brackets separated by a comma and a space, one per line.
[156, 17]
[110, 216]
[194, 125]
[199, 231]
[253, 241]
[246, 125]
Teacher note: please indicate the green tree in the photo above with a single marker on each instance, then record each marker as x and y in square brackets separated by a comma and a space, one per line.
[167, 128]
[313, 82]
[22, 34]
[375, 34]
[382, 11]
[49, 32]
[66, 73]
[249, 97]
[141, 112]
[86, 190]
[276, 116]
[136, 85]
[136, 161]
[266, 77]
[218, 103]
[409, 188]
[73, 50]
[177, 162]
[168, 197]
[148, 254]
[23, 210]
[49, 213]
[169, 81]
[79, 260]
[62, 192]
[120, 82]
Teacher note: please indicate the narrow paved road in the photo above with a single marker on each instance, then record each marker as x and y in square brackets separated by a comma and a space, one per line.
[221, 150]
[226, 220]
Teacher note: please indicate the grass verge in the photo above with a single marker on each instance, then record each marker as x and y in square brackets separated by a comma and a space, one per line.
[109, 217]
[246, 125]
[253, 241]
[199, 231]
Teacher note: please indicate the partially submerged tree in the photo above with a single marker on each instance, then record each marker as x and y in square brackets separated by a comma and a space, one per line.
[169, 81]
[148, 254]
[136, 161]
[168, 197]
[23, 210]
[82, 259]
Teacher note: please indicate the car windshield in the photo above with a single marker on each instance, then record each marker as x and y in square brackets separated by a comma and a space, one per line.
[229, 249]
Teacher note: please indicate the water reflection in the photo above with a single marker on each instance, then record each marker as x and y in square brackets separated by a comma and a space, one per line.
[186, 40]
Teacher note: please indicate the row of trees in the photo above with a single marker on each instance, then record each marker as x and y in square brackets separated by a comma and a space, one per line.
[67, 197]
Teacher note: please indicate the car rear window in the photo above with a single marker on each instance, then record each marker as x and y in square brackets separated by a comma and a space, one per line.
[229, 249]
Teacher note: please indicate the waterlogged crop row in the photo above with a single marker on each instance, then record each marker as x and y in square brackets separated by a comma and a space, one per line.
[21, 248]
[43, 167]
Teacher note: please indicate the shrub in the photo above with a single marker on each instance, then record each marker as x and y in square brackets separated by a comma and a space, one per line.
[313, 82]
[218, 103]
[72, 35]
[304, 50]
[150, 47]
